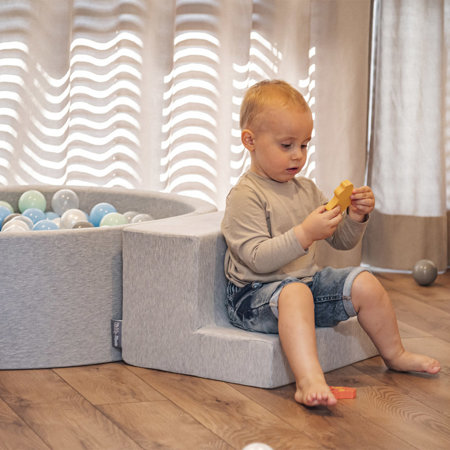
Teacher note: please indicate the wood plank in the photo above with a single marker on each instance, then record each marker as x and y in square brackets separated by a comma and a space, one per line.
[161, 425]
[420, 315]
[431, 390]
[226, 412]
[407, 331]
[15, 433]
[74, 426]
[108, 383]
[35, 387]
[437, 294]
[393, 401]
[334, 427]
[399, 414]
[58, 414]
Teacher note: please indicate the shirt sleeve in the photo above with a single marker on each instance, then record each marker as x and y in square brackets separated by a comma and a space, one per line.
[348, 234]
[247, 233]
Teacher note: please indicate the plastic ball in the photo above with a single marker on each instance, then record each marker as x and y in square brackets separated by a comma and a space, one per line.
[34, 214]
[257, 446]
[7, 205]
[82, 224]
[141, 218]
[130, 214]
[99, 211]
[425, 272]
[10, 217]
[51, 215]
[71, 217]
[15, 226]
[63, 200]
[113, 219]
[32, 199]
[25, 220]
[45, 225]
[4, 213]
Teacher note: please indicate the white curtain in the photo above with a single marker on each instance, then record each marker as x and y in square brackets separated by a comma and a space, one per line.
[409, 168]
[146, 93]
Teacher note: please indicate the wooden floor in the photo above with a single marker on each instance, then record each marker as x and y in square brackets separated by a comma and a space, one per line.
[115, 406]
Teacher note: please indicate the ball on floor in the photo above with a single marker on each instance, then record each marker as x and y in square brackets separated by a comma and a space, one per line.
[257, 446]
[425, 272]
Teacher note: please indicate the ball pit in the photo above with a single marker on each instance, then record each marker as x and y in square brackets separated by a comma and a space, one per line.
[65, 213]
[61, 288]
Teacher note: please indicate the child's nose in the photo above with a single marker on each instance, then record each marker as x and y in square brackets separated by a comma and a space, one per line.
[297, 152]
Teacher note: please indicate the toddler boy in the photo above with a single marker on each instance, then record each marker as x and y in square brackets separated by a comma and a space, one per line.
[271, 224]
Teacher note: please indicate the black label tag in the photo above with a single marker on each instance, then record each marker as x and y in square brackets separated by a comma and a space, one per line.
[116, 332]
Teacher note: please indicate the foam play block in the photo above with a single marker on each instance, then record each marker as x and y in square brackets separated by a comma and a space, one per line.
[341, 196]
[341, 392]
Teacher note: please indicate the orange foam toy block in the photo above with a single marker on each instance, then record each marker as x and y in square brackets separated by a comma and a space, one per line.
[341, 392]
[341, 196]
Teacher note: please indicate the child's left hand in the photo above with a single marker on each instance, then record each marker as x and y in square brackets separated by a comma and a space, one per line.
[363, 202]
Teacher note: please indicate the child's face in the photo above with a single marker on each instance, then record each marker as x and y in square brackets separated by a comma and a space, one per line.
[279, 143]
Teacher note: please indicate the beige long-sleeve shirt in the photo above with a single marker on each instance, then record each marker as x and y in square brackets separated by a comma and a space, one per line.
[258, 226]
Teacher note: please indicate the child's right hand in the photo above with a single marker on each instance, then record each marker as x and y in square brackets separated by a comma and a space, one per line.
[320, 224]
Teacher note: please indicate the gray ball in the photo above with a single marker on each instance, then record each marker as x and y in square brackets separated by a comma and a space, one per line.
[425, 272]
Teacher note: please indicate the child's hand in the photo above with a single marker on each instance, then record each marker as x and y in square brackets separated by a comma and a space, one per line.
[363, 202]
[320, 224]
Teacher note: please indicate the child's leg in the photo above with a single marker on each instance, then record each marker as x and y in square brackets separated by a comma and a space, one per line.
[377, 317]
[298, 339]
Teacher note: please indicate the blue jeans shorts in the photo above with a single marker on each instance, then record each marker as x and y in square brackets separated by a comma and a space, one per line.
[254, 307]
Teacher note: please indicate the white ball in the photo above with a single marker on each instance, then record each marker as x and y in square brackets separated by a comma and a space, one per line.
[130, 214]
[63, 200]
[257, 446]
[141, 218]
[25, 220]
[71, 217]
[57, 220]
[15, 226]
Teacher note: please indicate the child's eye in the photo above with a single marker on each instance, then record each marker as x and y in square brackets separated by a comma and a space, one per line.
[286, 145]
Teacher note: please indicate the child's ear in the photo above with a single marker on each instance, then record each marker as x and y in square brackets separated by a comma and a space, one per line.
[248, 139]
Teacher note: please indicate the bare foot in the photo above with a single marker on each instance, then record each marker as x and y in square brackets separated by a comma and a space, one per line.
[314, 391]
[414, 362]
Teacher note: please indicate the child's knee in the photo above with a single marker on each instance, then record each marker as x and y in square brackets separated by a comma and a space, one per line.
[296, 292]
[367, 288]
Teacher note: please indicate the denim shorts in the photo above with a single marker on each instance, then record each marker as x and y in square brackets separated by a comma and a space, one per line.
[254, 307]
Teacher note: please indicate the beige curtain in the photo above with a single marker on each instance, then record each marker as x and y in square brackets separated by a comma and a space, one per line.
[146, 93]
[409, 167]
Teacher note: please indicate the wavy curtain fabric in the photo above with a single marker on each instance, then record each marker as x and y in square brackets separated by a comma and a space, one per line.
[71, 82]
[146, 93]
[409, 168]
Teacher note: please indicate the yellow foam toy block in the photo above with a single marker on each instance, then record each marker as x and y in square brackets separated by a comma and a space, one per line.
[341, 196]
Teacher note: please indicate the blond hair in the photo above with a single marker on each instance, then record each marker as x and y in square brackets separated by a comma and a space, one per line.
[266, 93]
